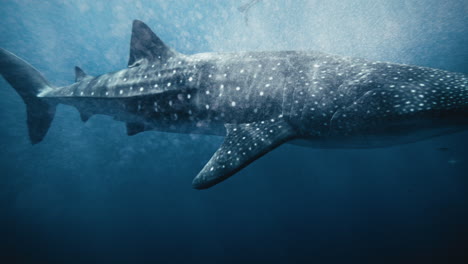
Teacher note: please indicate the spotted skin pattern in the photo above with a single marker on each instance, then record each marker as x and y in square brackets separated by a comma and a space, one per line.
[320, 95]
[260, 100]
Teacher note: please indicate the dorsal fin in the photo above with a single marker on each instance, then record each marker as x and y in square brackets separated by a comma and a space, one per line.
[80, 74]
[146, 47]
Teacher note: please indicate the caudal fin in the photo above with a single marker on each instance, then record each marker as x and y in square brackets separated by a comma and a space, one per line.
[28, 83]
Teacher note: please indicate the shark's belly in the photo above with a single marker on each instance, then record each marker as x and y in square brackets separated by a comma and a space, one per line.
[370, 140]
[385, 123]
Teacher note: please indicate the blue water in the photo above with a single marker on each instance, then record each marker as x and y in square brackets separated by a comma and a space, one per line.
[90, 194]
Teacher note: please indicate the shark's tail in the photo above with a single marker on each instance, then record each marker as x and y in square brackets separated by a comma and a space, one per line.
[28, 83]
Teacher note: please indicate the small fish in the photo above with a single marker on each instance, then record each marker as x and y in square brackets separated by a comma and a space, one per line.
[443, 149]
[246, 7]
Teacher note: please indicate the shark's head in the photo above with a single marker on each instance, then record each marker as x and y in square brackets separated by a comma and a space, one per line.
[406, 104]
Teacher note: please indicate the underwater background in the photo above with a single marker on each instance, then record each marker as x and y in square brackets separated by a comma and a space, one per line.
[91, 194]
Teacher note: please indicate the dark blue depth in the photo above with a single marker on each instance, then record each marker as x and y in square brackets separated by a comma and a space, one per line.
[90, 194]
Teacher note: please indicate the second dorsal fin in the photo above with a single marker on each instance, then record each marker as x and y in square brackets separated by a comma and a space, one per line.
[80, 74]
[146, 47]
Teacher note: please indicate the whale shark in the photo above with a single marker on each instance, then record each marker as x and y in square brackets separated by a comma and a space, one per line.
[256, 100]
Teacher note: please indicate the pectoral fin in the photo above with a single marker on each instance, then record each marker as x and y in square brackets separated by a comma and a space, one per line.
[243, 144]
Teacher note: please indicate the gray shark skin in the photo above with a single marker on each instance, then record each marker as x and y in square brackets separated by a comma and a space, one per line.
[257, 100]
